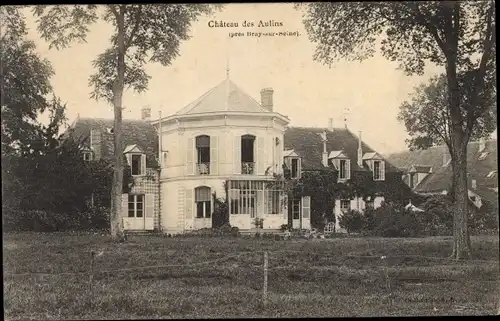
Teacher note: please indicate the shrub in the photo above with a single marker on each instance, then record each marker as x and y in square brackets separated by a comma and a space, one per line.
[284, 227]
[46, 221]
[392, 220]
[235, 231]
[352, 221]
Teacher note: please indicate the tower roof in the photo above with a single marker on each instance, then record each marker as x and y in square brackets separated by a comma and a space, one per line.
[226, 96]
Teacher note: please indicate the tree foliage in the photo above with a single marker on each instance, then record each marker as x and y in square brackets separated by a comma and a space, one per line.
[427, 118]
[459, 36]
[26, 90]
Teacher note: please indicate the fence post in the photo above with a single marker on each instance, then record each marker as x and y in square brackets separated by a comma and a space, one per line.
[388, 281]
[264, 293]
[91, 277]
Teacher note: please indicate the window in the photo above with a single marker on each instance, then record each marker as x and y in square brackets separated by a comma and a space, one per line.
[247, 154]
[203, 154]
[203, 202]
[343, 169]
[136, 206]
[369, 204]
[295, 168]
[378, 170]
[345, 205]
[244, 197]
[414, 179]
[272, 201]
[87, 156]
[136, 164]
[296, 209]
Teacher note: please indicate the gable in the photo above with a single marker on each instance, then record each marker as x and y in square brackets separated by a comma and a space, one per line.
[337, 154]
[131, 149]
[290, 153]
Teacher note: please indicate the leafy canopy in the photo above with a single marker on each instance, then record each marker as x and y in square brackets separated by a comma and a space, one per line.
[26, 90]
[427, 118]
[152, 33]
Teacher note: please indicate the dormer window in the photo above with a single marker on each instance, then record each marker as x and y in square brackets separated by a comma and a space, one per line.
[376, 164]
[343, 172]
[136, 159]
[342, 164]
[293, 163]
[87, 156]
[377, 174]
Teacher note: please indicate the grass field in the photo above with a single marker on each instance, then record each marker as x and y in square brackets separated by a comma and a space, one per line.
[306, 278]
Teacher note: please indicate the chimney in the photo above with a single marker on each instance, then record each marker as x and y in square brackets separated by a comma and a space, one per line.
[360, 151]
[95, 143]
[330, 124]
[146, 113]
[325, 153]
[266, 98]
[482, 145]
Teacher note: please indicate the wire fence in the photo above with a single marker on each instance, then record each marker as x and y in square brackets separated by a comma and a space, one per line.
[241, 261]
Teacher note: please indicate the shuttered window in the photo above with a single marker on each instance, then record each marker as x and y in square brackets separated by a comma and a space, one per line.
[203, 202]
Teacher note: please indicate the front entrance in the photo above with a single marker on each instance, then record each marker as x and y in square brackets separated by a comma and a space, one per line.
[137, 211]
[300, 210]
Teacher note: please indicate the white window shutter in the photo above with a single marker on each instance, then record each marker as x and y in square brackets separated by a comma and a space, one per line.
[299, 163]
[348, 169]
[189, 204]
[150, 211]
[260, 156]
[124, 205]
[143, 164]
[129, 160]
[288, 162]
[214, 153]
[382, 170]
[306, 206]
[237, 155]
[190, 156]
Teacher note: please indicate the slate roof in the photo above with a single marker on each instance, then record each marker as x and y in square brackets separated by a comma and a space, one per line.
[440, 179]
[307, 143]
[134, 132]
[226, 96]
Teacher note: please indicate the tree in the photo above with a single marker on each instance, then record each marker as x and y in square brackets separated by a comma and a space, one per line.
[457, 35]
[26, 91]
[427, 118]
[143, 32]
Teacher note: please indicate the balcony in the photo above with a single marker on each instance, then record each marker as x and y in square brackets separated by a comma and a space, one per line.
[247, 168]
[203, 169]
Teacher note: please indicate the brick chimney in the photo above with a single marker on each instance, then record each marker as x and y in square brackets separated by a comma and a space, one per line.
[95, 143]
[146, 113]
[360, 151]
[266, 98]
[324, 155]
[330, 124]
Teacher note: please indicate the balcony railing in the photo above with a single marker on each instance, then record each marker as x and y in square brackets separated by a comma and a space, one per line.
[247, 168]
[203, 168]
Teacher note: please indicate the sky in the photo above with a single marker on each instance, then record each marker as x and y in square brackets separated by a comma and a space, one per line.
[368, 93]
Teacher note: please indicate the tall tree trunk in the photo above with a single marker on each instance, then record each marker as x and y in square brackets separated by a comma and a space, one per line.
[117, 188]
[461, 238]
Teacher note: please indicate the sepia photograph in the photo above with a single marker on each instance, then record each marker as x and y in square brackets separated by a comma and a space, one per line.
[249, 160]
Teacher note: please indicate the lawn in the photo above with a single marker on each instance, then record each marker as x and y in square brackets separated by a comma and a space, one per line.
[223, 277]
